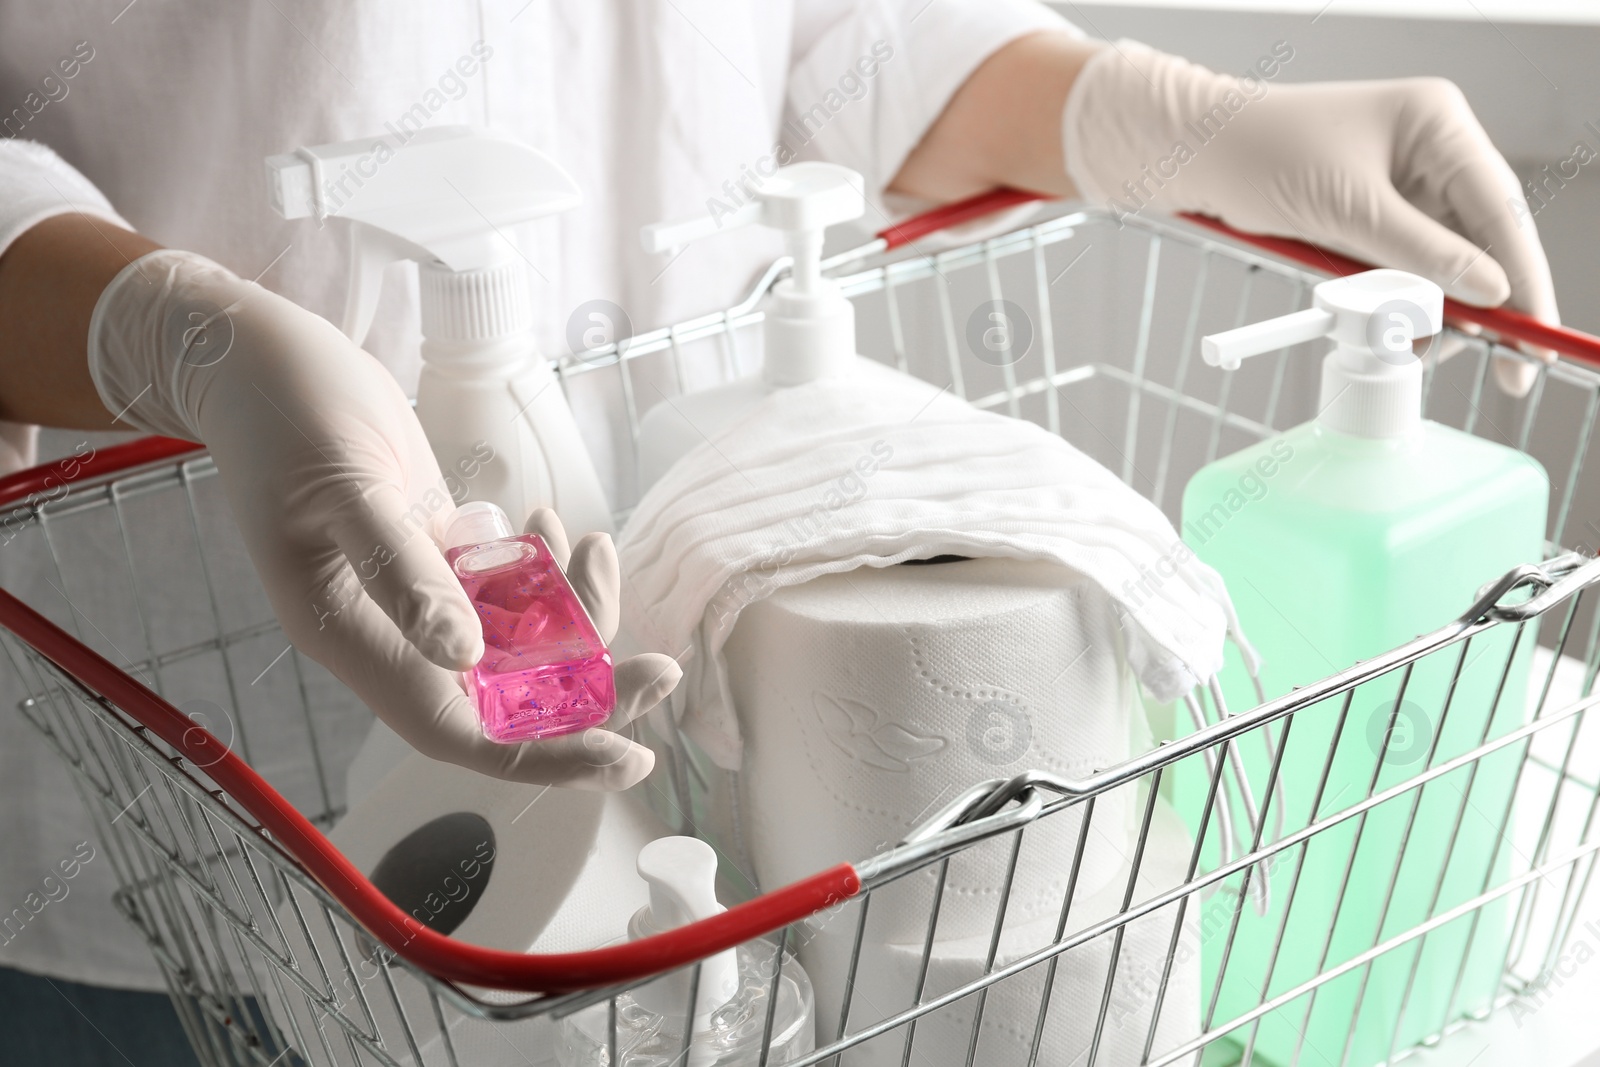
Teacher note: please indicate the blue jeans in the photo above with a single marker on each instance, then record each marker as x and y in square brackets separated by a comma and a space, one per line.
[52, 1021]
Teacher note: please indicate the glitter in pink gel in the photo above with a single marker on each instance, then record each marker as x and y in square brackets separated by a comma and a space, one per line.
[544, 670]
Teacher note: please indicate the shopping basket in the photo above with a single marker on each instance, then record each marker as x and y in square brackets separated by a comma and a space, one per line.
[247, 907]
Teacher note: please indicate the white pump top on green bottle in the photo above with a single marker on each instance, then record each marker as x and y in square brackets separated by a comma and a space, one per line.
[1372, 380]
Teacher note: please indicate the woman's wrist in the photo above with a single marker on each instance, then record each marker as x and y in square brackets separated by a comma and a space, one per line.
[50, 280]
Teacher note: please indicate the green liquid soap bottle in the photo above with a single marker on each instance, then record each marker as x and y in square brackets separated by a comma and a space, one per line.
[1340, 540]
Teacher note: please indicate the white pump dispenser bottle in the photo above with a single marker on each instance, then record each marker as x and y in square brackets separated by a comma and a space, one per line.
[448, 199]
[810, 328]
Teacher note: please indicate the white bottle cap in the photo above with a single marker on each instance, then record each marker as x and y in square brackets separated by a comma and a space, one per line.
[482, 304]
[682, 874]
[476, 523]
[1372, 380]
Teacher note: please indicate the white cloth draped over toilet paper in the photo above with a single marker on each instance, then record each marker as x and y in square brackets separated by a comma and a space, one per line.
[851, 705]
[879, 468]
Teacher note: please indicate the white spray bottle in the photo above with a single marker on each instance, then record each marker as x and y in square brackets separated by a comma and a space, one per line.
[810, 328]
[449, 199]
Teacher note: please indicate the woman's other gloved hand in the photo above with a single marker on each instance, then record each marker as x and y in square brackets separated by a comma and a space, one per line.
[1396, 173]
[341, 502]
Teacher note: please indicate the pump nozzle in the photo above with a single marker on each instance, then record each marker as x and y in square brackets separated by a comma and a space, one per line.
[801, 200]
[810, 330]
[1228, 349]
[1372, 380]
[682, 874]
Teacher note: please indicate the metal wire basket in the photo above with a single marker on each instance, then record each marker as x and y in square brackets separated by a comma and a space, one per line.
[277, 950]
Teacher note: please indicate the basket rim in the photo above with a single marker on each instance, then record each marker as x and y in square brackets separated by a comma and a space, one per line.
[437, 954]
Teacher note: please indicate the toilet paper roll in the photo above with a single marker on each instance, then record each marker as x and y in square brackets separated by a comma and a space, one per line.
[888, 973]
[425, 823]
[870, 699]
[514, 867]
[595, 913]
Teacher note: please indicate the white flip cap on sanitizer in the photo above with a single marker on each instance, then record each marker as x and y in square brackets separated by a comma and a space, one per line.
[1372, 380]
[682, 874]
[475, 523]
[810, 329]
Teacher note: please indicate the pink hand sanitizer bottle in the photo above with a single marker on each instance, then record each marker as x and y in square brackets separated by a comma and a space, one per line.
[545, 671]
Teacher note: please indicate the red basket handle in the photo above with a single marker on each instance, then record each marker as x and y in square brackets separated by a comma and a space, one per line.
[956, 213]
[1507, 325]
[433, 952]
[49, 478]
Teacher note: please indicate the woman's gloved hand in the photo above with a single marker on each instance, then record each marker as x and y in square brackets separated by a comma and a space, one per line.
[1396, 173]
[340, 502]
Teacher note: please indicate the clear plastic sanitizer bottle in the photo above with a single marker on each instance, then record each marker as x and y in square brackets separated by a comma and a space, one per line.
[731, 1002]
[1339, 540]
[545, 671]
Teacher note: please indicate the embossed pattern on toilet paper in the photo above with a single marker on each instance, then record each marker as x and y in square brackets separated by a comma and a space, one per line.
[871, 699]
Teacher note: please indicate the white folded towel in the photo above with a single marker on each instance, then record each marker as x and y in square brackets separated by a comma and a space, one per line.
[878, 468]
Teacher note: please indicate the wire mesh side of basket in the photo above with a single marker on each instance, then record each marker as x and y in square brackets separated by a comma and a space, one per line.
[262, 961]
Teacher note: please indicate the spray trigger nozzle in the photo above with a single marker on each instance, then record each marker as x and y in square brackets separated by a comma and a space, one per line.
[446, 196]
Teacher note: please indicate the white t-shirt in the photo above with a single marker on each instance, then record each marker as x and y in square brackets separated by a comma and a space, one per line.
[656, 108]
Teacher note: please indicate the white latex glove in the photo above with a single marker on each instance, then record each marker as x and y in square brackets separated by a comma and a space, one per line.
[1395, 173]
[340, 502]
